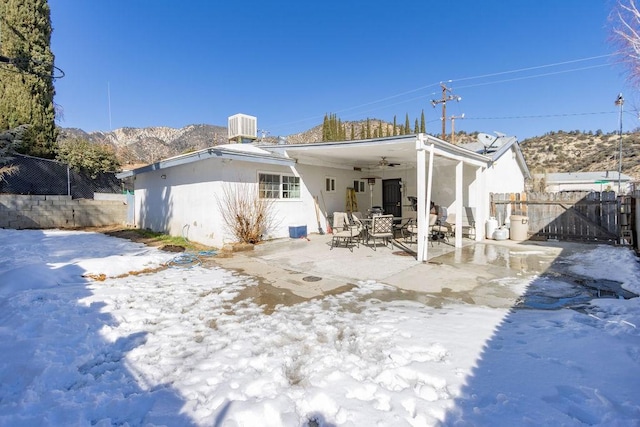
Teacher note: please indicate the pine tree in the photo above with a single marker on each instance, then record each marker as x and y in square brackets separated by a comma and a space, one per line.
[353, 132]
[368, 128]
[26, 86]
[395, 126]
[407, 125]
[416, 127]
[423, 126]
[380, 131]
[325, 128]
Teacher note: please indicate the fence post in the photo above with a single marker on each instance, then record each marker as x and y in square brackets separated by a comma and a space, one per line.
[68, 182]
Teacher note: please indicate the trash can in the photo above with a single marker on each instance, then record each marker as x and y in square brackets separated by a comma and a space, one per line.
[490, 227]
[519, 227]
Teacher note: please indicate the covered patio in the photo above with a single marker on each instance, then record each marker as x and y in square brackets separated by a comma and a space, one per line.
[424, 166]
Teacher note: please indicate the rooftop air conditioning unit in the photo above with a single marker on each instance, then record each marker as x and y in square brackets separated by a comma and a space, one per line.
[243, 128]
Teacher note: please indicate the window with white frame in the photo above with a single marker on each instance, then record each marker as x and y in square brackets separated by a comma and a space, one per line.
[358, 186]
[276, 186]
[329, 184]
[290, 187]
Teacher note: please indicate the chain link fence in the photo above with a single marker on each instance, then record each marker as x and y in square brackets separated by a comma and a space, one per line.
[49, 177]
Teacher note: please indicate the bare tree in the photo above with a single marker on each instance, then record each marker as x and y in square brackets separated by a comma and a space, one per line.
[247, 215]
[626, 36]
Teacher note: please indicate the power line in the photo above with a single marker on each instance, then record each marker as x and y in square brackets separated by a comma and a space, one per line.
[533, 76]
[539, 116]
[519, 70]
[573, 61]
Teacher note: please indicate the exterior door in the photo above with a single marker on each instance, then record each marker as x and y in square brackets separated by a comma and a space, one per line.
[392, 197]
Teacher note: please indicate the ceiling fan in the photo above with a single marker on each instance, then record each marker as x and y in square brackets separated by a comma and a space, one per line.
[383, 163]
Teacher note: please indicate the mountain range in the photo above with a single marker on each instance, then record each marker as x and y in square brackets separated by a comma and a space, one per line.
[560, 151]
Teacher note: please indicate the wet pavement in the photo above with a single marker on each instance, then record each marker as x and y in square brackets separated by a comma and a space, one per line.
[491, 273]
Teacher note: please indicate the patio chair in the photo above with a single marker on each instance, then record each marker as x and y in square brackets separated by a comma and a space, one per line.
[381, 228]
[358, 227]
[440, 230]
[402, 229]
[343, 231]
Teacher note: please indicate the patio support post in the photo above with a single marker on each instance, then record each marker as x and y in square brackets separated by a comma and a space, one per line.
[424, 184]
[458, 204]
[421, 190]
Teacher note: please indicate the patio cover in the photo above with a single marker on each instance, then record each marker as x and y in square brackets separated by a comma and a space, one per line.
[406, 149]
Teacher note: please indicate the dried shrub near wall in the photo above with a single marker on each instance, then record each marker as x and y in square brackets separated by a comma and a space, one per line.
[247, 216]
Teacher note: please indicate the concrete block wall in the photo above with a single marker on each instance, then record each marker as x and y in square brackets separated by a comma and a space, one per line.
[43, 211]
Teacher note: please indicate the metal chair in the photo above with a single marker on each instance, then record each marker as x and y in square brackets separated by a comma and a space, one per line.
[381, 228]
[344, 232]
[440, 230]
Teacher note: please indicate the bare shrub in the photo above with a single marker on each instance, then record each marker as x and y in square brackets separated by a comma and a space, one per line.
[247, 215]
[8, 171]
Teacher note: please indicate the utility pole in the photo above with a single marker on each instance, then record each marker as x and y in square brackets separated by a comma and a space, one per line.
[620, 103]
[453, 127]
[446, 96]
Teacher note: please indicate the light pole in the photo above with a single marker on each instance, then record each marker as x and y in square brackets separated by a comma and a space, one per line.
[620, 103]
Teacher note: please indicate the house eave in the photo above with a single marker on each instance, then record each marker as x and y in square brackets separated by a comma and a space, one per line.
[209, 153]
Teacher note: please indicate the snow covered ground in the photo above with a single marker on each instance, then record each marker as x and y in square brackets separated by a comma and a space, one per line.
[180, 347]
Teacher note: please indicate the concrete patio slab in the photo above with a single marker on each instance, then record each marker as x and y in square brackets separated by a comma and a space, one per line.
[478, 273]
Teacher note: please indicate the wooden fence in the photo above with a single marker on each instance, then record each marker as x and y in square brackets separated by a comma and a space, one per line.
[579, 216]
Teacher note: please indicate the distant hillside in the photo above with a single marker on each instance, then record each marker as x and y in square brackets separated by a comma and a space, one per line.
[553, 152]
[147, 145]
[576, 151]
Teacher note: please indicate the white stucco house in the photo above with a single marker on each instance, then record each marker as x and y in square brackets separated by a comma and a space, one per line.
[180, 195]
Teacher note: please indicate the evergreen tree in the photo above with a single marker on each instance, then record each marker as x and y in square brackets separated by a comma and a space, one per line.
[353, 132]
[83, 156]
[380, 130]
[26, 86]
[368, 128]
[416, 127]
[395, 126]
[325, 128]
[407, 125]
[423, 126]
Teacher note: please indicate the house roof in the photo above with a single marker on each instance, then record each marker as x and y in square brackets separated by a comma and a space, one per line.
[507, 143]
[365, 155]
[582, 177]
[243, 152]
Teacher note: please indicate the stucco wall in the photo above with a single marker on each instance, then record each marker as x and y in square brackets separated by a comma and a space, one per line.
[185, 202]
[505, 176]
[46, 211]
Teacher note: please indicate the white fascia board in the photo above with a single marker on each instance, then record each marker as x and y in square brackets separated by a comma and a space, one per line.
[455, 152]
[210, 153]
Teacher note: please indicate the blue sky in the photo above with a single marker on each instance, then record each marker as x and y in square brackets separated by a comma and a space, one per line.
[166, 63]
